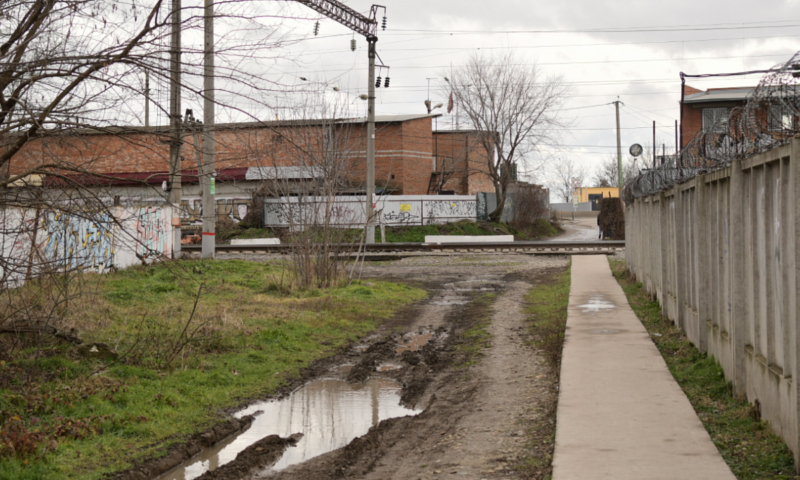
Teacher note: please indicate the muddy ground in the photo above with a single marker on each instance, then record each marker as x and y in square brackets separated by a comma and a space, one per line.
[483, 416]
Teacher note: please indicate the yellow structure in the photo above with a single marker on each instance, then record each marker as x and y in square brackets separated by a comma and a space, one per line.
[587, 194]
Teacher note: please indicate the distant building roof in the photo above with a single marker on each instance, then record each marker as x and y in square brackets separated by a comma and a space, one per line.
[720, 95]
[392, 118]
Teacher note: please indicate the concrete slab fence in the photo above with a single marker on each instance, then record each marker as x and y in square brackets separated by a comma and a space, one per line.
[720, 253]
[34, 243]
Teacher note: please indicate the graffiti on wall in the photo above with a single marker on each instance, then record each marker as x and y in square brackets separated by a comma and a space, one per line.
[350, 211]
[77, 242]
[444, 209]
[153, 232]
[234, 208]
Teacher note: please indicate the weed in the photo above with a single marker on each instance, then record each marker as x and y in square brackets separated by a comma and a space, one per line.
[745, 442]
[475, 339]
[547, 306]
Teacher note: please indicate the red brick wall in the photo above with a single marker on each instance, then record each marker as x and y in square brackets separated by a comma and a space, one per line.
[418, 162]
[403, 151]
[469, 161]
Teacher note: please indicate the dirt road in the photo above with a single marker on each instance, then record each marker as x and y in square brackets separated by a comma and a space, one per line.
[479, 415]
[578, 230]
[476, 420]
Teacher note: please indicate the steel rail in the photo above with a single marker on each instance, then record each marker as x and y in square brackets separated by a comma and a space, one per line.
[524, 247]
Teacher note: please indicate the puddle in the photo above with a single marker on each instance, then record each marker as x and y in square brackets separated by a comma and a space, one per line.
[388, 367]
[329, 413]
[481, 289]
[411, 342]
[342, 369]
[360, 348]
[598, 303]
[451, 301]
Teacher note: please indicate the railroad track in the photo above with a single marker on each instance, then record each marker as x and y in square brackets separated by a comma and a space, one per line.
[410, 249]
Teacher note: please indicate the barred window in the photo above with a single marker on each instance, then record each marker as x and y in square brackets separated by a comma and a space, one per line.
[716, 119]
[779, 119]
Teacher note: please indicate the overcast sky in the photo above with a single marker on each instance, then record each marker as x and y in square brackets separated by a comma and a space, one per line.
[633, 50]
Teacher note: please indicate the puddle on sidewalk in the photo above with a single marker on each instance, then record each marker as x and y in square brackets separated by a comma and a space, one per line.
[329, 413]
[597, 304]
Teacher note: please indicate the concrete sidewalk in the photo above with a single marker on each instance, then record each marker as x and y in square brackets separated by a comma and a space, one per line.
[621, 415]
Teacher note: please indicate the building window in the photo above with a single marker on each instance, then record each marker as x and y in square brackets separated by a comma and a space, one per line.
[780, 118]
[715, 120]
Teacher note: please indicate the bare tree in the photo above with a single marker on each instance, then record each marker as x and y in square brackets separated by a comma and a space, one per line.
[515, 107]
[567, 174]
[607, 172]
[71, 85]
[309, 162]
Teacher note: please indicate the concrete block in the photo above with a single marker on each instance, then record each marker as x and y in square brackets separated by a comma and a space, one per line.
[468, 238]
[256, 241]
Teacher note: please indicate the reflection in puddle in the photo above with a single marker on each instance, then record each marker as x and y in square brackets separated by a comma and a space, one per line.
[329, 413]
[343, 368]
[451, 301]
[360, 348]
[411, 342]
[388, 367]
[598, 303]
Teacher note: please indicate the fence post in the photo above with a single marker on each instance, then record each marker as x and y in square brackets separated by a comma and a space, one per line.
[703, 263]
[663, 228]
[794, 168]
[736, 256]
[680, 250]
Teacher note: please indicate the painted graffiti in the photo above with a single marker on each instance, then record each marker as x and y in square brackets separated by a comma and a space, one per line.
[77, 242]
[234, 208]
[350, 211]
[449, 209]
[406, 218]
[153, 232]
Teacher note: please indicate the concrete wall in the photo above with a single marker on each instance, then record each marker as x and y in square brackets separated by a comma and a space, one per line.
[568, 207]
[34, 243]
[719, 252]
[398, 210]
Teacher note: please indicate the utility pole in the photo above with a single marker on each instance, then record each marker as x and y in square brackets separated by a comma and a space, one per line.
[654, 144]
[208, 175]
[147, 98]
[619, 152]
[174, 185]
[371, 143]
[368, 27]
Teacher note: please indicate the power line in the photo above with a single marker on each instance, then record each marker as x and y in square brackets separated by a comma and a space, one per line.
[651, 29]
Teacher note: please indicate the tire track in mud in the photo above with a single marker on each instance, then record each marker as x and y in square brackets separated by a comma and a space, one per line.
[478, 422]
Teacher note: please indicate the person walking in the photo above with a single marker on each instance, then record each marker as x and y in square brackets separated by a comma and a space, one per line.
[600, 234]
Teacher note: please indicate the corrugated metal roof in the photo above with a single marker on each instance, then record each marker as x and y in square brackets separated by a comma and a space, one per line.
[729, 95]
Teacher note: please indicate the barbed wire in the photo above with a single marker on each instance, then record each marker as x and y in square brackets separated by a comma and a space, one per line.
[769, 118]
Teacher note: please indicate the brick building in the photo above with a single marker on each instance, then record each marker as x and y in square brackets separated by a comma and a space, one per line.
[460, 163]
[711, 111]
[406, 159]
[702, 109]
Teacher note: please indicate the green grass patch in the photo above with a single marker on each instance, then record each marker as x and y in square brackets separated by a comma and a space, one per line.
[98, 417]
[747, 445]
[475, 339]
[547, 307]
